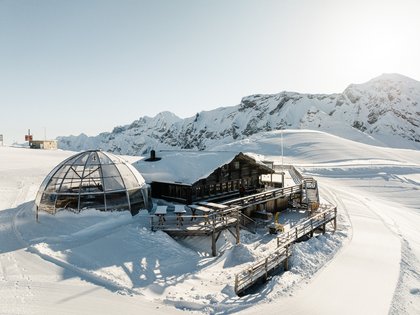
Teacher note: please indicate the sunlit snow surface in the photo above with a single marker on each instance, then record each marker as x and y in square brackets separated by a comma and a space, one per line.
[113, 264]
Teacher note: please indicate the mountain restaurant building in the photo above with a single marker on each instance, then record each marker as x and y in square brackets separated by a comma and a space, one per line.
[189, 177]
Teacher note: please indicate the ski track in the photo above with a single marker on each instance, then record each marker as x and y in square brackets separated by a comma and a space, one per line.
[409, 275]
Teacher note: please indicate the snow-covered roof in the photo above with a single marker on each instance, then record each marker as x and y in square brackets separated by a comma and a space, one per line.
[185, 167]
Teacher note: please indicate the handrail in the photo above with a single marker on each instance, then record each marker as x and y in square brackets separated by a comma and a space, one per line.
[304, 227]
[269, 194]
[252, 221]
[251, 273]
[296, 175]
[211, 219]
[262, 267]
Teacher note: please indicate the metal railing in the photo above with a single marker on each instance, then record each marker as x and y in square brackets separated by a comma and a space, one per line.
[262, 197]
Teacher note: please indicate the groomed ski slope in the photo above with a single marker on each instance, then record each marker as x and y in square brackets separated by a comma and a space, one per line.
[112, 264]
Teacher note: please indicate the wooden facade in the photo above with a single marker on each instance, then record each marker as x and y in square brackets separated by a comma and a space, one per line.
[224, 181]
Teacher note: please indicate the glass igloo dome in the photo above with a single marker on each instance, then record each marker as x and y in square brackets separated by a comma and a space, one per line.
[93, 179]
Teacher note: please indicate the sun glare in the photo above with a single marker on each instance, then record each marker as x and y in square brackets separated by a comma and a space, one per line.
[376, 40]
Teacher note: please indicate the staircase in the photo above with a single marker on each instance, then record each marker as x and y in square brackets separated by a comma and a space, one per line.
[310, 194]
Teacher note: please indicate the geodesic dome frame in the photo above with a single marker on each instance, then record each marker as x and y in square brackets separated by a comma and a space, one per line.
[93, 179]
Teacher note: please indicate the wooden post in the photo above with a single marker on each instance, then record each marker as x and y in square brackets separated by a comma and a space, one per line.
[311, 234]
[266, 268]
[286, 262]
[301, 193]
[238, 235]
[282, 179]
[335, 219]
[236, 283]
[213, 244]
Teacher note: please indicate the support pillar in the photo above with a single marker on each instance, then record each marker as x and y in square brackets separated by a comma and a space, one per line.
[266, 268]
[213, 244]
[238, 235]
[286, 262]
[335, 219]
[311, 234]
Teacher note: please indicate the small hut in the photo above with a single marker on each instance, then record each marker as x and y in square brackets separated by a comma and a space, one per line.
[43, 144]
[93, 179]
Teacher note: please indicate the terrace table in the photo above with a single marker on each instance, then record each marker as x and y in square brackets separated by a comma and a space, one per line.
[179, 211]
[218, 208]
[160, 212]
[206, 211]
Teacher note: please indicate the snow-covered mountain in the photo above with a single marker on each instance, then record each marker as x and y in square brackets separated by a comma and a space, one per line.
[384, 111]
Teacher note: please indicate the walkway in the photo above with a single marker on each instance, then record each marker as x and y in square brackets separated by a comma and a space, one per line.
[261, 269]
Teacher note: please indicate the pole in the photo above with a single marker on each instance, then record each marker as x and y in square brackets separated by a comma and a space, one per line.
[281, 146]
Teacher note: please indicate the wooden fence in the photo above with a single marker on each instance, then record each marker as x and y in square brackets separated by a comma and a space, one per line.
[319, 219]
[260, 269]
[208, 221]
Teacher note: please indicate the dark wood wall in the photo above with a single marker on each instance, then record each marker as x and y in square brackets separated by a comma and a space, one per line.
[172, 191]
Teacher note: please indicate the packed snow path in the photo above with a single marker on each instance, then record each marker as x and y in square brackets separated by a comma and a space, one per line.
[362, 276]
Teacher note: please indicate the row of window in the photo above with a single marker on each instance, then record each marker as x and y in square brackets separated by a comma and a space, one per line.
[123, 200]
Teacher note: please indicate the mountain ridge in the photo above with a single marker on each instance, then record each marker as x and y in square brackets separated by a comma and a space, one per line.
[383, 111]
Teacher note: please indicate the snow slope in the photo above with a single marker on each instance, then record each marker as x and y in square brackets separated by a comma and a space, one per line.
[384, 111]
[110, 262]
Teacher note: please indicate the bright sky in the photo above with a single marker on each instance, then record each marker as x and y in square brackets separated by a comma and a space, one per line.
[68, 67]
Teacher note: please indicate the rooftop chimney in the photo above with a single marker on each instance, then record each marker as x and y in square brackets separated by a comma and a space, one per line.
[152, 157]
